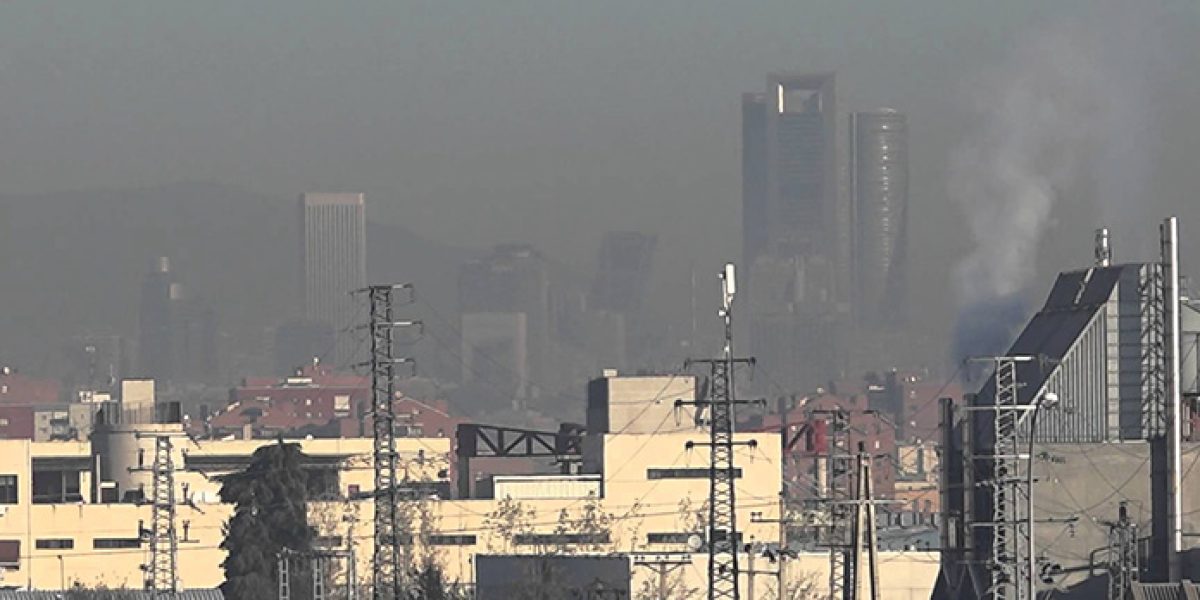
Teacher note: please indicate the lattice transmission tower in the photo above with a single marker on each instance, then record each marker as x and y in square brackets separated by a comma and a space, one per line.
[722, 501]
[387, 562]
[164, 545]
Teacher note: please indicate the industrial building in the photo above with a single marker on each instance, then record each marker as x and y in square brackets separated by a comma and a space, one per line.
[636, 486]
[1078, 439]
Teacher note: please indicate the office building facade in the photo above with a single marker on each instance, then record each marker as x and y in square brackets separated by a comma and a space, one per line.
[334, 263]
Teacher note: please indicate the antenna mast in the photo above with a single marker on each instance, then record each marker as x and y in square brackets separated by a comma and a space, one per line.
[722, 517]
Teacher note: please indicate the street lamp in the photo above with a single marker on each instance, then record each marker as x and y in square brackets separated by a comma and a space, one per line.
[1045, 400]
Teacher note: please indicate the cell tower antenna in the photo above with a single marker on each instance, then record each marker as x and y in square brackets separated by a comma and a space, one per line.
[723, 536]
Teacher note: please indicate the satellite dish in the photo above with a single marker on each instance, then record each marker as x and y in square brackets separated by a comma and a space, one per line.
[695, 542]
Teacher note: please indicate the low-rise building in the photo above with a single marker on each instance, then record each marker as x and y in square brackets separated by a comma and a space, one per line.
[72, 512]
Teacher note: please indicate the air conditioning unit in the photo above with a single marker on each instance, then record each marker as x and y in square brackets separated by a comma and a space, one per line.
[3, 510]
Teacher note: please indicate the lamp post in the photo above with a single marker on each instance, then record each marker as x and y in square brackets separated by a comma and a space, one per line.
[1046, 400]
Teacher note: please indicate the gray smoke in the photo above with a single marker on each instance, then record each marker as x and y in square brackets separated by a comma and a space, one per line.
[1065, 111]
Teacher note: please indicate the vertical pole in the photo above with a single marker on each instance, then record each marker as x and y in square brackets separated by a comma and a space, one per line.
[750, 573]
[662, 580]
[872, 535]
[1174, 413]
[854, 585]
[352, 573]
[781, 571]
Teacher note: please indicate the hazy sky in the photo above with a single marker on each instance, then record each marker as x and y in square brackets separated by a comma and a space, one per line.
[543, 120]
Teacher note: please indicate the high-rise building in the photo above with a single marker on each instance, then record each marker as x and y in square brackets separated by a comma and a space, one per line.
[879, 201]
[794, 224]
[789, 162]
[334, 255]
[505, 304]
[623, 271]
[176, 332]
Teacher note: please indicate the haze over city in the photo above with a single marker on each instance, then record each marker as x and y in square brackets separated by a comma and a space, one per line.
[190, 193]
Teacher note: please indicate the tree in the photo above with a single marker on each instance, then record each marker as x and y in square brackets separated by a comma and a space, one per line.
[270, 514]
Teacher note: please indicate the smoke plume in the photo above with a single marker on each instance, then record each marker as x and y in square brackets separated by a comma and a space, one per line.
[1064, 111]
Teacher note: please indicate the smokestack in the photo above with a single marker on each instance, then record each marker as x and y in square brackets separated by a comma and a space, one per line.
[1103, 248]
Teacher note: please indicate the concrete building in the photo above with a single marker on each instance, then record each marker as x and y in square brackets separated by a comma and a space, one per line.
[640, 492]
[334, 263]
[879, 216]
[1101, 347]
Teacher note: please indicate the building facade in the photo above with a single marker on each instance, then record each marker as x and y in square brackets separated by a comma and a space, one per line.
[177, 331]
[334, 262]
[794, 229]
[879, 216]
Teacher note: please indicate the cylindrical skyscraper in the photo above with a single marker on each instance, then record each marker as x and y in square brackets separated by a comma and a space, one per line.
[879, 202]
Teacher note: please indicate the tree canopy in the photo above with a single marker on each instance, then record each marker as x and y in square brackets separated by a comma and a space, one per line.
[270, 514]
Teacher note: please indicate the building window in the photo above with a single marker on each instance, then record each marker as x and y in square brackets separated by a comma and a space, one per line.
[328, 541]
[685, 473]
[549, 539]
[116, 543]
[668, 538]
[56, 487]
[452, 540]
[8, 489]
[56, 544]
[3, 422]
[10, 553]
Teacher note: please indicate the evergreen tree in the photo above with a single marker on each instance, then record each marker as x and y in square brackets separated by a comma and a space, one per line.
[270, 514]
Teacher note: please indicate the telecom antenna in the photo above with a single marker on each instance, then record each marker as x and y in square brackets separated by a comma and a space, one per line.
[387, 565]
[722, 518]
[164, 547]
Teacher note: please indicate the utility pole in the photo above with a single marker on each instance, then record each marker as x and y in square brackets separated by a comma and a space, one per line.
[864, 531]
[164, 546]
[663, 565]
[839, 478]
[722, 503]
[1123, 566]
[387, 566]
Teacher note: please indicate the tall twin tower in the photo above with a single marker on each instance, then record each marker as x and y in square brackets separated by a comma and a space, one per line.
[824, 217]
